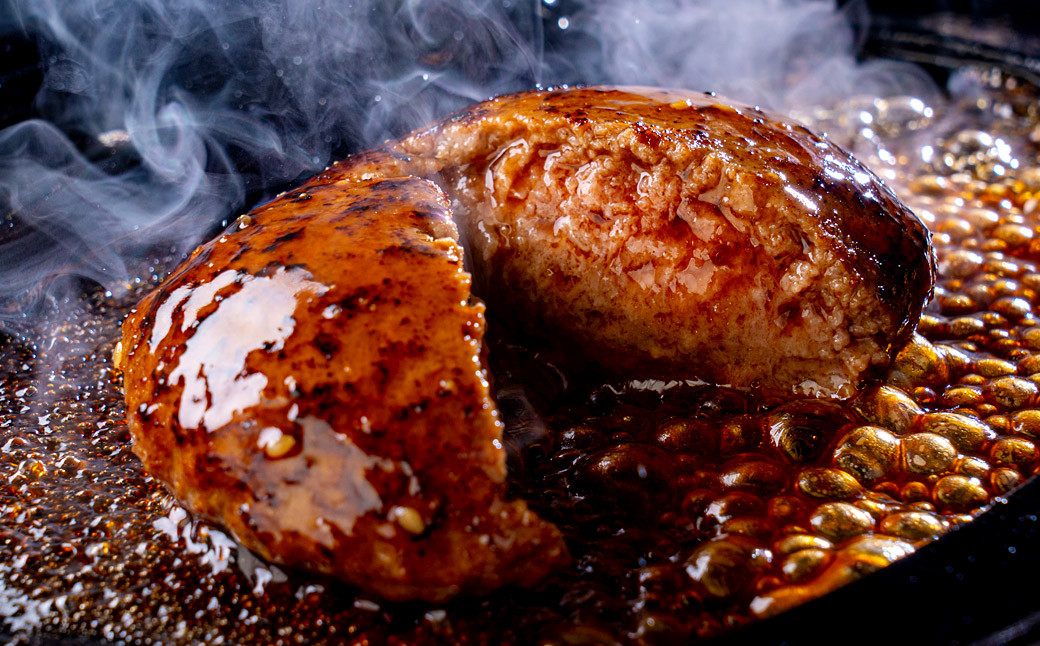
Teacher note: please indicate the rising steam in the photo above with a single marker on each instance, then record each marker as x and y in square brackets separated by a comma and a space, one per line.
[180, 109]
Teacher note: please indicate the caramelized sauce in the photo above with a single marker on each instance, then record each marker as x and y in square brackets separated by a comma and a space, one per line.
[689, 509]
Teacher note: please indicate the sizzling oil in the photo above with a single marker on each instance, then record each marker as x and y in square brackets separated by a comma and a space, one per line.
[689, 509]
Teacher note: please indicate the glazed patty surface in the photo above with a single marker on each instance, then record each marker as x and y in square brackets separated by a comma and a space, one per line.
[313, 382]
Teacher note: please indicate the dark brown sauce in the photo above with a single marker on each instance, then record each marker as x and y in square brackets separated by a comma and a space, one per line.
[689, 509]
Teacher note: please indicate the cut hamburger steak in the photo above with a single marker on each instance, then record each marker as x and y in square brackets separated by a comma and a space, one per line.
[668, 234]
[313, 379]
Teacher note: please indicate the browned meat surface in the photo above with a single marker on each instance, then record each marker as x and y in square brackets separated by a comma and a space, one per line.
[312, 380]
[666, 234]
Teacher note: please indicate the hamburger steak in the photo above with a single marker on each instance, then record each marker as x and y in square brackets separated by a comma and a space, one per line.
[314, 380]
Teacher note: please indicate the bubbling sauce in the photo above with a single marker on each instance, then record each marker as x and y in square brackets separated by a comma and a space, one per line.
[689, 509]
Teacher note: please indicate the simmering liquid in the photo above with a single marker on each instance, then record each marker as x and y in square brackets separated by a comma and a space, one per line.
[689, 509]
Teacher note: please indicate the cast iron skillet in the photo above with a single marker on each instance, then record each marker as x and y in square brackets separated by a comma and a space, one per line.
[975, 585]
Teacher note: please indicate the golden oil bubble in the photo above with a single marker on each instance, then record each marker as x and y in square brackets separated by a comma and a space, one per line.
[875, 508]
[839, 521]
[994, 320]
[868, 452]
[1031, 280]
[755, 527]
[725, 567]
[932, 326]
[758, 476]
[732, 505]
[957, 228]
[923, 505]
[736, 436]
[915, 492]
[999, 423]
[1015, 452]
[955, 304]
[981, 219]
[963, 327]
[956, 519]
[1026, 423]
[1003, 479]
[695, 501]
[913, 525]
[1010, 348]
[800, 430]
[1026, 293]
[803, 564]
[31, 469]
[992, 367]
[685, 436]
[959, 493]
[860, 557]
[981, 293]
[996, 265]
[962, 396]
[888, 407]
[929, 184]
[1010, 392]
[878, 550]
[784, 508]
[830, 484]
[1002, 342]
[964, 433]
[927, 453]
[923, 395]
[1005, 287]
[957, 360]
[795, 542]
[1029, 365]
[1012, 307]
[973, 379]
[961, 263]
[971, 466]
[994, 246]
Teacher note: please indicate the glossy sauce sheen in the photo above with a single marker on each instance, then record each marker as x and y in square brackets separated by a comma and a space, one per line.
[313, 381]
